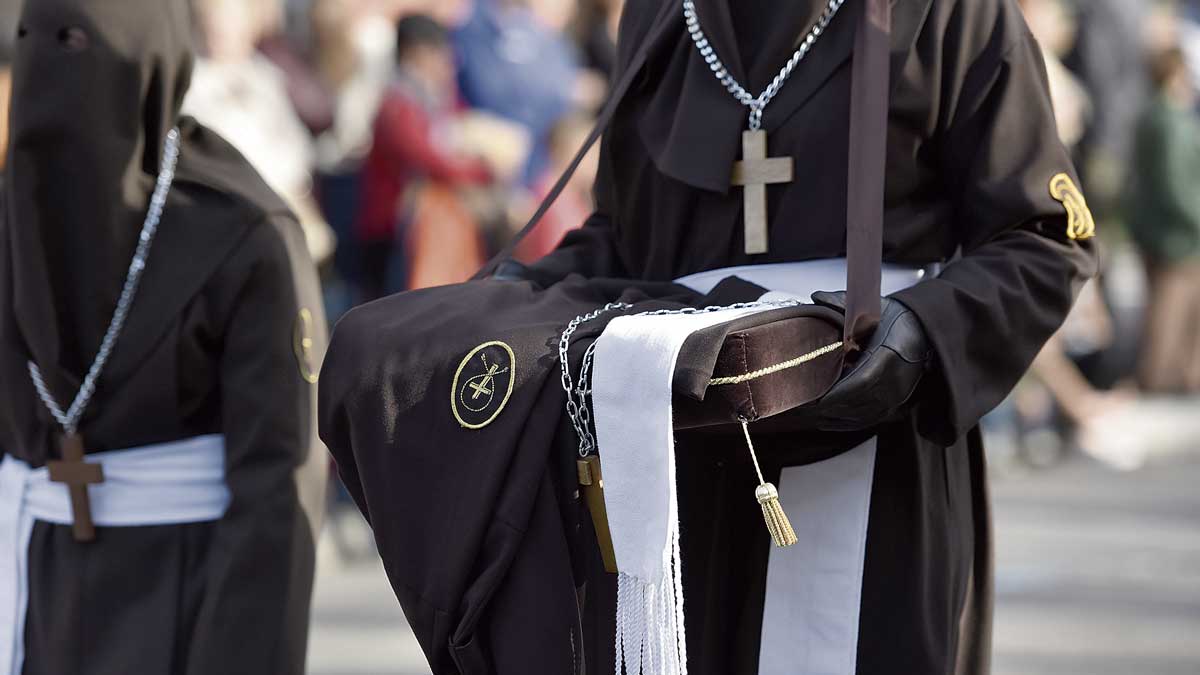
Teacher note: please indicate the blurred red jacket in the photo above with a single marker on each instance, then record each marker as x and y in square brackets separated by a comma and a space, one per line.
[406, 150]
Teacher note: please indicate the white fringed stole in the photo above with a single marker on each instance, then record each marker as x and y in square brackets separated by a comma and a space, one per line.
[631, 397]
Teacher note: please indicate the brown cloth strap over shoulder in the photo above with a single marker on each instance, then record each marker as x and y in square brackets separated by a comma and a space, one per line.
[865, 192]
[868, 164]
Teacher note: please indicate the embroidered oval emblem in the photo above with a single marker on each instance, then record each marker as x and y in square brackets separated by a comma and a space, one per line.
[302, 346]
[1080, 224]
[483, 384]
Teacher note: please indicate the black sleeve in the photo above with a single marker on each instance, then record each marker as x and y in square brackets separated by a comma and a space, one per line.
[257, 599]
[989, 313]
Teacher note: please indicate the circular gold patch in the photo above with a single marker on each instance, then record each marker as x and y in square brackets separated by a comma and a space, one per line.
[483, 384]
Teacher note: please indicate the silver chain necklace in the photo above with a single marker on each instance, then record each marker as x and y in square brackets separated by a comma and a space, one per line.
[756, 104]
[578, 395]
[70, 418]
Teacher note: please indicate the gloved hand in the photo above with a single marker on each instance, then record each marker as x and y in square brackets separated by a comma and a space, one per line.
[883, 378]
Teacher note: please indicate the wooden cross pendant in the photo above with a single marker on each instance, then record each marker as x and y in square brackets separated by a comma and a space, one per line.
[77, 474]
[754, 173]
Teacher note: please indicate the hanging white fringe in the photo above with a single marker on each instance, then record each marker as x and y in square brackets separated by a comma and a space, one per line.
[650, 638]
[636, 440]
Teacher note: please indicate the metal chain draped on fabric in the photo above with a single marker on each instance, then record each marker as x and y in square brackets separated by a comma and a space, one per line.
[577, 394]
[69, 419]
[756, 104]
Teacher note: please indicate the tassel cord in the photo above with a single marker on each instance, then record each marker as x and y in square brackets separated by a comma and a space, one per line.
[753, 456]
[767, 495]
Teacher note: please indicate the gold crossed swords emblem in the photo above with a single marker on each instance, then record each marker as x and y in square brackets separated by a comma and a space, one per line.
[484, 386]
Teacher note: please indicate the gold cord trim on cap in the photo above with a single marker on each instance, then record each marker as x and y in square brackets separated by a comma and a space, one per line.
[771, 370]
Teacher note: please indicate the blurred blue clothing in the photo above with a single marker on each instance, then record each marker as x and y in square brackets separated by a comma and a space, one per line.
[512, 66]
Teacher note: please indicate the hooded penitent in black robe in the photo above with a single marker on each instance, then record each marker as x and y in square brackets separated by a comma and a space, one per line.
[463, 516]
[214, 344]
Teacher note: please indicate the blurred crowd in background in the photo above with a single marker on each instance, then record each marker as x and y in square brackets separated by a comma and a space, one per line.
[411, 135]
[414, 136]
[1124, 77]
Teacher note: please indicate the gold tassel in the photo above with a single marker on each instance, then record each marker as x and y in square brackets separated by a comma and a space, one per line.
[777, 521]
[768, 498]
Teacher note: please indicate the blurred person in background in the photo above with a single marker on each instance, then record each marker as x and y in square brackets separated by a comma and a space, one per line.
[1055, 30]
[1164, 221]
[412, 147]
[1107, 55]
[1189, 36]
[240, 94]
[1058, 400]
[9, 10]
[311, 97]
[516, 62]
[353, 46]
[595, 31]
[575, 203]
[182, 545]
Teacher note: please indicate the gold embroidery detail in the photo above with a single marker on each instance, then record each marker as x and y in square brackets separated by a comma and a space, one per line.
[778, 367]
[1080, 224]
[479, 391]
[302, 346]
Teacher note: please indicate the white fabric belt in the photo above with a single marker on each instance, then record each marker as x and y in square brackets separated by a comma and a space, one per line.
[164, 484]
[801, 279]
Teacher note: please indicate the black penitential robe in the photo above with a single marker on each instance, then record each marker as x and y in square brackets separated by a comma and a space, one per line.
[976, 180]
[972, 154]
[224, 337]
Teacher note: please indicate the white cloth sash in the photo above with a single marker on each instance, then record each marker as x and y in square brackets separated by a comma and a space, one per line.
[802, 279]
[636, 440]
[163, 484]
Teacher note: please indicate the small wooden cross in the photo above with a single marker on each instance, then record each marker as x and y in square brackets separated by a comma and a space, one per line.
[754, 173]
[77, 475]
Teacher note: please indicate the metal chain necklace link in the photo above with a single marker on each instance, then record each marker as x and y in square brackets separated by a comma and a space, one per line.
[578, 395]
[69, 419]
[756, 104]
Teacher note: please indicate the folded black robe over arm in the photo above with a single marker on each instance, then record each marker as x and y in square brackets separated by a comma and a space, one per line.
[454, 473]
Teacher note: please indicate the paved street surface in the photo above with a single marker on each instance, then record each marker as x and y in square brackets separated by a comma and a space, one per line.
[1098, 574]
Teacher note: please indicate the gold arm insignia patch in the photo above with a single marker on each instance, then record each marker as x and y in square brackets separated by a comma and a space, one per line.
[302, 346]
[1080, 224]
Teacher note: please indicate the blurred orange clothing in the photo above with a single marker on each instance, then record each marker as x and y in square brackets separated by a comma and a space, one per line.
[567, 213]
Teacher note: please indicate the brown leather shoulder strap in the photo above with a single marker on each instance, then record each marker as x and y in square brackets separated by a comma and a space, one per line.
[868, 150]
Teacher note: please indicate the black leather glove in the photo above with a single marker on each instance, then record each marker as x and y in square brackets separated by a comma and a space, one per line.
[885, 375]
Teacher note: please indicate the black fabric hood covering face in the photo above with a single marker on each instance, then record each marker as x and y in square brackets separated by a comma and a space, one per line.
[97, 86]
